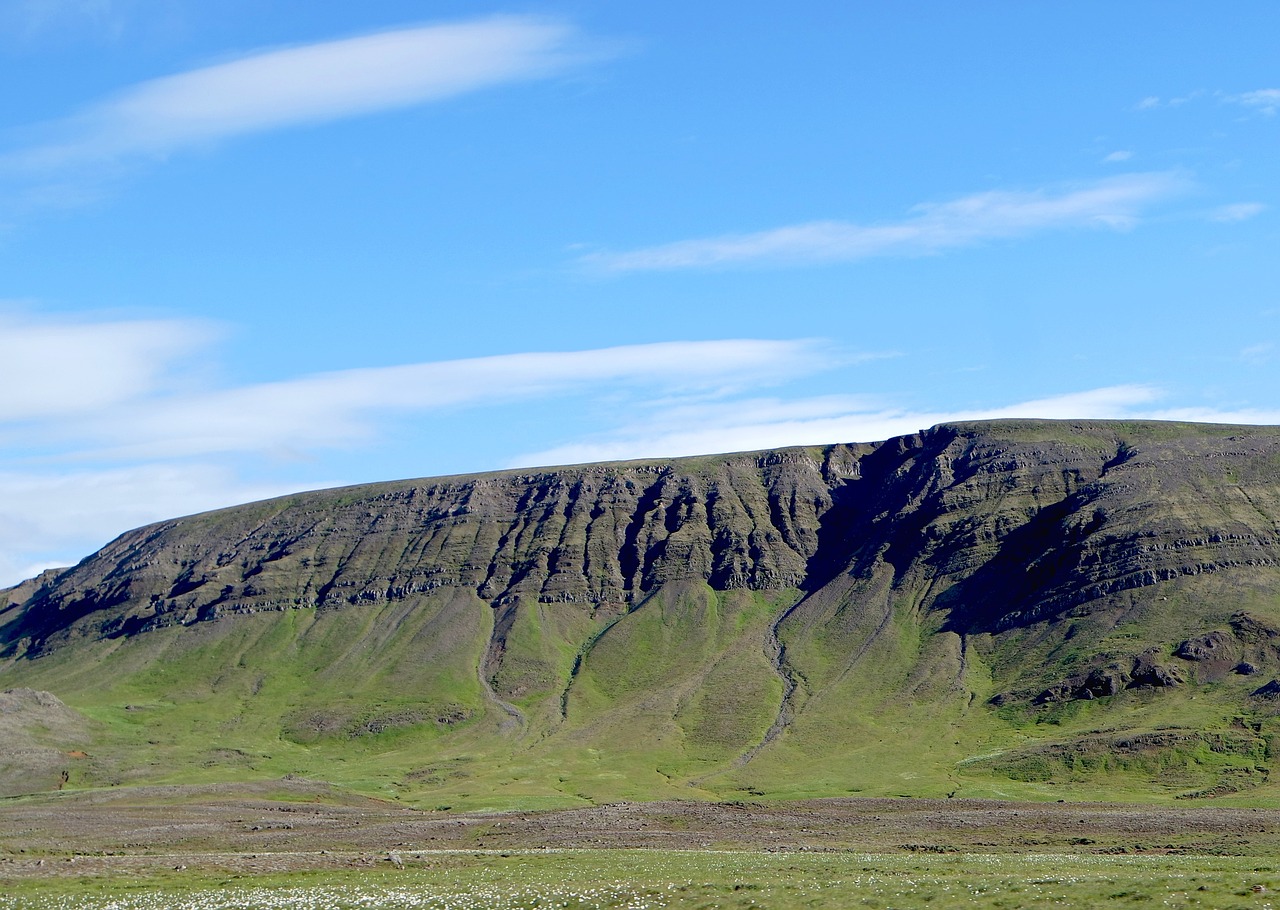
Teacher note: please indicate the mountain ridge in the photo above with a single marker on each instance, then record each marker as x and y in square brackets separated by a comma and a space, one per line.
[764, 622]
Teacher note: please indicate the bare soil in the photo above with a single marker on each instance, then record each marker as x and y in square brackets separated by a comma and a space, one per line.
[299, 825]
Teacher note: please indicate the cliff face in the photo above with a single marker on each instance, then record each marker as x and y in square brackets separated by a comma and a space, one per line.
[593, 535]
[1017, 563]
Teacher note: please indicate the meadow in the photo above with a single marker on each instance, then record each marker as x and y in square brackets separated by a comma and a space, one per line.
[652, 879]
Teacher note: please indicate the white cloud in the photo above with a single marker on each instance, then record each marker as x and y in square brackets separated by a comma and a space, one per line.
[341, 408]
[30, 18]
[154, 446]
[1114, 203]
[1242, 416]
[310, 84]
[1154, 101]
[1266, 100]
[763, 424]
[114, 385]
[1239, 211]
[739, 426]
[57, 368]
[1118, 155]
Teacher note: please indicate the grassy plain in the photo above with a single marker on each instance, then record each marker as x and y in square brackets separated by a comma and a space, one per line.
[635, 879]
[311, 848]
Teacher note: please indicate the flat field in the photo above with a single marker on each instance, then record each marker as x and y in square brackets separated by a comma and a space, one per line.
[641, 879]
[297, 844]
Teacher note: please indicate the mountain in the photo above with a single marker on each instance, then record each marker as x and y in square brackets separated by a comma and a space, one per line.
[1034, 609]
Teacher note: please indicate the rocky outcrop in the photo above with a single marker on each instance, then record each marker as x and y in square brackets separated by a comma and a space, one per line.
[1144, 671]
[592, 535]
[1214, 647]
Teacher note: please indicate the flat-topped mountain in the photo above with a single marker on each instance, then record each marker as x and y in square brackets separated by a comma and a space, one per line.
[1026, 608]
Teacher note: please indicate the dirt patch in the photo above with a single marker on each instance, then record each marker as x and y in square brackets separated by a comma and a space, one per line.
[290, 825]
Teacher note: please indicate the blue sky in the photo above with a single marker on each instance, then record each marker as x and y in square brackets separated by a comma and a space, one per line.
[248, 248]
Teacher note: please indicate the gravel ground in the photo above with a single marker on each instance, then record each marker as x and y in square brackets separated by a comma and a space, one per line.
[313, 827]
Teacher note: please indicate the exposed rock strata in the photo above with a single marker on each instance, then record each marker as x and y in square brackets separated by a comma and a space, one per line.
[999, 527]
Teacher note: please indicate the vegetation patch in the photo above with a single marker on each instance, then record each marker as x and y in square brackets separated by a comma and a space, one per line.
[1174, 757]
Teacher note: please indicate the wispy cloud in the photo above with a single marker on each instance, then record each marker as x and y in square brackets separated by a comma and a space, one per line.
[308, 84]
[100, 389]
[771, 423]
[57, 368]
[1265, 101]
[1238, 211]
[90, 445]
[344, 408]
[1118, 156]
[1257, 353]
[1240, 416]
[1151, 102]
[1114, 203]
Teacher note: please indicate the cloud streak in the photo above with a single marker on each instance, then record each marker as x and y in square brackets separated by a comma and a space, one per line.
[1115, 203]
[1266, 101]
[343, 408]
[30, 19]
[51, 519]
[767, 423]
[310, 84]
[145, 441]
[772, 423]
[94, 389]
[1238, 211]
[61, 368]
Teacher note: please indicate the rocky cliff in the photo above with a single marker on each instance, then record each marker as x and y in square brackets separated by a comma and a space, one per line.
[724, 621]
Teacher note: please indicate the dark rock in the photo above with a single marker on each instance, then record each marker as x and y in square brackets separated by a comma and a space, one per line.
[1060, 692]
[1140, 672]
[1216, 645]
[1103, 682]
[1155, 676]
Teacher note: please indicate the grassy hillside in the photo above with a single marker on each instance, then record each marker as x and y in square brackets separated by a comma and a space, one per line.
[1036, 609]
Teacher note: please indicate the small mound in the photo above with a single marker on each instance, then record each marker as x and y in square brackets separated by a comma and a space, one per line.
[1204, 761]
[39, 740]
